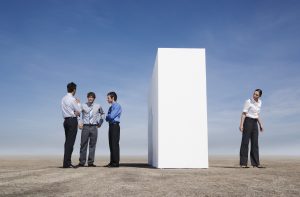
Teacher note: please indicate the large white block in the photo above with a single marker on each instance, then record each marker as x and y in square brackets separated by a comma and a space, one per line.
[177, 124]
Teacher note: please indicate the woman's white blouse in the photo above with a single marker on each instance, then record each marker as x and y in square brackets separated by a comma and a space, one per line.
[252, 108]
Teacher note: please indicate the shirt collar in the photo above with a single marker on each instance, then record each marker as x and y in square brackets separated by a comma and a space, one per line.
[114, 103]
[87, 103]
[70, 94]
[255, 101]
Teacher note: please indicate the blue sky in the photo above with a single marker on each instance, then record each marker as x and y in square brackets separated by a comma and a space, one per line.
[111, 45]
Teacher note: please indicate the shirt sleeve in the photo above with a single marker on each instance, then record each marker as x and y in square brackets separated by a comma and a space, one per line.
[76, 106]
[246, 106]
[101, 111]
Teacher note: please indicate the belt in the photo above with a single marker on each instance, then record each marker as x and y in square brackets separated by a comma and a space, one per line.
[67, 118]
[112, 123]
[89, 125]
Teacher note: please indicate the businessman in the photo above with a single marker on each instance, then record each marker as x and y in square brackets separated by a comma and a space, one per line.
[89, 123]
[113, 118]
[70, 111]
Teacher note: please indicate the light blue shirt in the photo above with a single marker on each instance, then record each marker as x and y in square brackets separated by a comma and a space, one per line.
[91, 113]
[114, 113]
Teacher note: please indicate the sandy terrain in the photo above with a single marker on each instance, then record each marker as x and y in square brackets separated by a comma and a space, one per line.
[41, 176]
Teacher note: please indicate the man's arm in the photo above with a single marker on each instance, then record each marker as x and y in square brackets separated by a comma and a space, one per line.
[77, 107]
[115, 111]
[80, 122]
[100, 117]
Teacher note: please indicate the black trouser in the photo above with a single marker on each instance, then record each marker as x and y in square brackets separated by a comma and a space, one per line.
[89, 137]
[70, 126]
[114, 139]
[250, 132]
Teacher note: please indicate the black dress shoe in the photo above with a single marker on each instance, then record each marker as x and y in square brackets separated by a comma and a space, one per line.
[80, 165]
[92, 165]
[113, 166]
[70, 166]
[259, 166]
[108, 165]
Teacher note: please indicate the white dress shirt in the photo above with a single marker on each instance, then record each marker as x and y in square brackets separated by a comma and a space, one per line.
[69, 106]
[91, 114]
[252, 108]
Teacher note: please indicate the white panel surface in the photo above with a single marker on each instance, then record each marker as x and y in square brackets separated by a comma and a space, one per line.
[178, 110]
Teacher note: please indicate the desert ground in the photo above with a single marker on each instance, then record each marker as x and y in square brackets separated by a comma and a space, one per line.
[43, 176]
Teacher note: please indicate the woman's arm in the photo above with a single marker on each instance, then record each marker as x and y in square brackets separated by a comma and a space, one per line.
[242, 121]
[260, 125]
[245, 111]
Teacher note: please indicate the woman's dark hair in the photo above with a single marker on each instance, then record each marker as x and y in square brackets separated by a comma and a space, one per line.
[113, 95]
[259, 91]
[71, 87]
[92, 94]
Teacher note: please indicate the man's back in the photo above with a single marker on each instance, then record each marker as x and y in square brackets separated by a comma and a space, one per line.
[69, 106]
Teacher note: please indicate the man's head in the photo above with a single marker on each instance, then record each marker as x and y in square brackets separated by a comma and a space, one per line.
[71, 88]
[111, 97]
[91, 97]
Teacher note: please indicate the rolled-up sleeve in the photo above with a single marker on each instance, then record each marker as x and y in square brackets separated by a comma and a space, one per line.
[76, 106]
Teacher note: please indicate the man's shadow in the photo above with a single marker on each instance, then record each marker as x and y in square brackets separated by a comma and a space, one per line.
[232, 167]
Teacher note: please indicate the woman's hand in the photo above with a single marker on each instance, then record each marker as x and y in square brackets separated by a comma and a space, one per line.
[241, 128]
[261, 128]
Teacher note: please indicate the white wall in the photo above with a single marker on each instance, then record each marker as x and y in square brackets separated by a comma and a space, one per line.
[178, 110]
[153, 118]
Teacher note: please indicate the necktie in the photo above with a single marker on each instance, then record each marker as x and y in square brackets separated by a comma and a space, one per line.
[91, 114]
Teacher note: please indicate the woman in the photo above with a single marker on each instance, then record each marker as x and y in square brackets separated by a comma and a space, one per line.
[250, 122]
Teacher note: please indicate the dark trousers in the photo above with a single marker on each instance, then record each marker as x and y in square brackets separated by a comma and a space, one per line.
[89, 136]
[70, 126]
[114, 139]
[250, 133]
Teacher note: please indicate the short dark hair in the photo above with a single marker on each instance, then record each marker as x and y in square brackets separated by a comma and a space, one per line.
[113, 95]
[91, 94]
[71, 87]
[259, 91]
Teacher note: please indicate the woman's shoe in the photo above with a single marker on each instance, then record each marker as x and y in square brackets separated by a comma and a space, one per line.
[244, 166]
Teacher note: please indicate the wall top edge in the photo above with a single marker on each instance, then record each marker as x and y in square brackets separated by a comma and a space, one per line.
[181, 48]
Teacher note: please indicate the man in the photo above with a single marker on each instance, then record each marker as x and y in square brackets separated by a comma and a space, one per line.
[70, 111]
[91, 121]
[113, 118]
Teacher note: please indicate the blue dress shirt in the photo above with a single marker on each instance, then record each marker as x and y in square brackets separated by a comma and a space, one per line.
[114, 113]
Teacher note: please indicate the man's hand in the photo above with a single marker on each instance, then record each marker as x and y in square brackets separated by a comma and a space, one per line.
[80, 126]
[77, 100]
[77, 113]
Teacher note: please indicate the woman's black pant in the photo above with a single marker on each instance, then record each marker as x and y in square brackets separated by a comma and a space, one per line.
[250, 132]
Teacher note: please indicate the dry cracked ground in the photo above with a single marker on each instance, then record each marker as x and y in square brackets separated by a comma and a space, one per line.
[43, 176]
